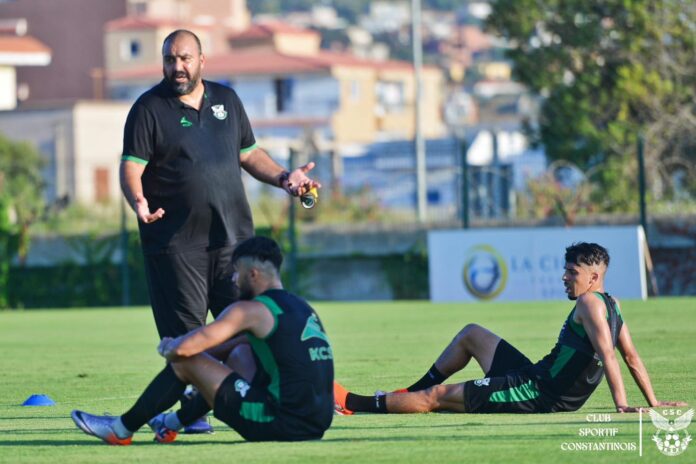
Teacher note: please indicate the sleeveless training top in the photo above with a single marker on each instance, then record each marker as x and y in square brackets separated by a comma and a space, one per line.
[569, 374]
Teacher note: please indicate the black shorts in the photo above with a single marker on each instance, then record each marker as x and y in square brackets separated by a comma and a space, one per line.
[184, 285]
[507, 387]
[252, 413]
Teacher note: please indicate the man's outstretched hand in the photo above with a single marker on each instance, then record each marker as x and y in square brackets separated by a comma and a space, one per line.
[299, 183]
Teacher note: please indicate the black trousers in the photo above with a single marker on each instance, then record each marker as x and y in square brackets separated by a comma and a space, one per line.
[184, 286]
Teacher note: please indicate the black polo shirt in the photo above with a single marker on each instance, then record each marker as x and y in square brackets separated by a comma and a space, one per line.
[192, 168]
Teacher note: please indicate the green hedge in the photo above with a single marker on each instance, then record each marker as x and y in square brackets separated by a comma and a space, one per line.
[99, 281]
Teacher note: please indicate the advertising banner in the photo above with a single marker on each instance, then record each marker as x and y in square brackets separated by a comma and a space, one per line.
[522, 264]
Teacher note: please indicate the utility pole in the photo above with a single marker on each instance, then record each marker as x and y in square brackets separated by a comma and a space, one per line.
[421, 175]
[465, 181]
[125, 271]
[641, 184]
[292, 232]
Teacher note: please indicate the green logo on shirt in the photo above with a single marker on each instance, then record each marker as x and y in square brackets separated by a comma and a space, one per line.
[313, 330]
[185, 122]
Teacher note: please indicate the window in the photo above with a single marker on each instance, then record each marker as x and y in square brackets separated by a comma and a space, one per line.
[130, 49]
[283, 94]
[101, 185]
[390, 96]
[355, 90]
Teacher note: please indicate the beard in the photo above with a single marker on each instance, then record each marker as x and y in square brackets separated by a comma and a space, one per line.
[182, 88]
[246, 294]
[244, 291]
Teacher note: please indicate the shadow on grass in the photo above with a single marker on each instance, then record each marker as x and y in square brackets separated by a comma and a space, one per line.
[387, 439]
[479, 424]
[95, 442]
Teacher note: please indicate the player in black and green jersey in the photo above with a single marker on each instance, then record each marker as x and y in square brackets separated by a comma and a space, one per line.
[287, 395]
[561, 381]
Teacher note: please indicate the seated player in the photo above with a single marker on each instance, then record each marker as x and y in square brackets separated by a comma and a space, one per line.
[289, 396]
[562, 381]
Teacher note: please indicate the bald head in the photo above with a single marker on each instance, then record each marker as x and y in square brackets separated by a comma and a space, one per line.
[179, 33]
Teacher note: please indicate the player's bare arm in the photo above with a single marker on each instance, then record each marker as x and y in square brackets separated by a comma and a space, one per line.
[635, 365]
[244, 315]
[132, 186]
[222, 350]
[591, 313]
[262, 167]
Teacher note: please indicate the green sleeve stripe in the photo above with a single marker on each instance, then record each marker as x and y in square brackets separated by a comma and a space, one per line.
[574, 326]
[268, 362]
[273, 308]
[248, 149]
[135, 159]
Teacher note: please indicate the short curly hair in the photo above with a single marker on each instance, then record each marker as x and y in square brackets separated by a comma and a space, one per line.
[262, 249]
[587, 253]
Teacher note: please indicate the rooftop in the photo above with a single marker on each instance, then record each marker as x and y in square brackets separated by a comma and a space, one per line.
[255, 62]
[23, 51]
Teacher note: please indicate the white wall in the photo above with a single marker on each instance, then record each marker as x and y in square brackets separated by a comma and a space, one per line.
[98, 134]
[8, 88]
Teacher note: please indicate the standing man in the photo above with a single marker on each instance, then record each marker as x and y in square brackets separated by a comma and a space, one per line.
[562, 381]
[286, 395]
[185, 143]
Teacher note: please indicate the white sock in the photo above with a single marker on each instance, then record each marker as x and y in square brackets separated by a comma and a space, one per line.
[120, 430]
[171, 421]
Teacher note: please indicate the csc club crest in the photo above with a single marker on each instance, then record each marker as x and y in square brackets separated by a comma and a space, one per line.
[669, 438]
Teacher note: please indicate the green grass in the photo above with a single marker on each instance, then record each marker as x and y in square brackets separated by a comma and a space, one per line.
[100, 360]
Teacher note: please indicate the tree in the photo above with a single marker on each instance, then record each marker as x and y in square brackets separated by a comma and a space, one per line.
[21, 202]
[608, 71]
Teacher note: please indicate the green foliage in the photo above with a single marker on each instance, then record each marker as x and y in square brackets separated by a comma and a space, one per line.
[80, 219]
[21, 201]
[408, 274]
[92, 279]
[608, 70]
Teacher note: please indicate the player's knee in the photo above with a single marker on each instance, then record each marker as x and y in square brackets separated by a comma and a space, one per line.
[239, 354]
[469, 332]
[432, 398]
[178, 368]
[181, 368]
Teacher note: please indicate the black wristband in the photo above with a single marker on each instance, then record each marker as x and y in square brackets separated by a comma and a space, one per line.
[283, 178]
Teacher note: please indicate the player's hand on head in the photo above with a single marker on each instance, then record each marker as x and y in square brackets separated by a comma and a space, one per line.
[298, 181]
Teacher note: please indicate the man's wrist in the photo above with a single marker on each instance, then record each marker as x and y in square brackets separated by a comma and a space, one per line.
[283, 178]
[137, 200]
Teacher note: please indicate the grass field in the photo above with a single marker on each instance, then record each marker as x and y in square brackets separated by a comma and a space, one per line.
[101, 359]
